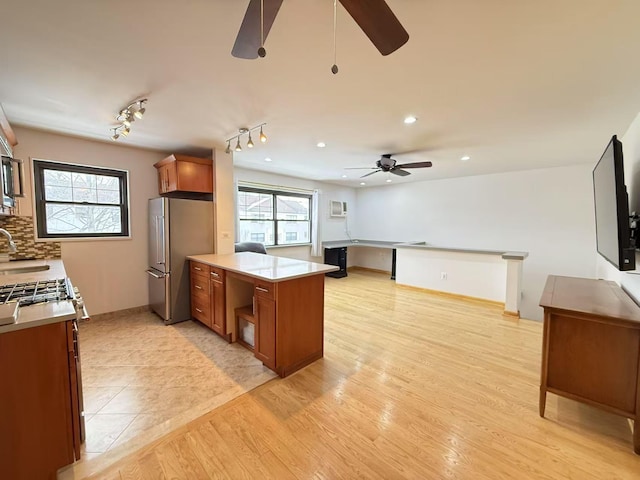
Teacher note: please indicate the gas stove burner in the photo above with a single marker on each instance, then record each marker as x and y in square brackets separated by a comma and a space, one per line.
[30, 293]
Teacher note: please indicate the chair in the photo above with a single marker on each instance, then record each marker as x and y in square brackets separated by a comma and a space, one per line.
[250, 247]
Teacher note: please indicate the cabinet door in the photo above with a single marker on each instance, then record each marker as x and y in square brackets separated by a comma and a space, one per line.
[265, 349]
[162, 181]
[218, 323]
[171, 176]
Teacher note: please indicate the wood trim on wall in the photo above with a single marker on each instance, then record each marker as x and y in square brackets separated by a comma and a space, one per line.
[452, 295]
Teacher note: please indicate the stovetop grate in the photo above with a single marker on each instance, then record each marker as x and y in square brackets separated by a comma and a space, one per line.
[30, 293]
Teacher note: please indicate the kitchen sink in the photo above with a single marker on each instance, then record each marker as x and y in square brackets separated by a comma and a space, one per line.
[15, 270]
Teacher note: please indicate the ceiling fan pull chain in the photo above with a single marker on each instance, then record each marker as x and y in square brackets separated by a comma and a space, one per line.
[261, 51]
[334, 68]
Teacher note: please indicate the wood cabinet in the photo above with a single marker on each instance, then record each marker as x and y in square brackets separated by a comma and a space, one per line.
[265, 329]
[591, 346]
[207, 296]
[182, 174]
[218, 323]
[40, 425]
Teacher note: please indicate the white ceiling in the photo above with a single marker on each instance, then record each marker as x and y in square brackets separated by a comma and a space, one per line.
[514, 84]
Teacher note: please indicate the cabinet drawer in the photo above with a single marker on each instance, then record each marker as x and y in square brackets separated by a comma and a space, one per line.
[216, 274]
[199, 268]
[201, 310]
[264, 289]
[200, 287]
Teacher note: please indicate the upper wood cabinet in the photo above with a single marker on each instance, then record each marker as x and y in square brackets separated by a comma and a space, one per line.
[183, 174]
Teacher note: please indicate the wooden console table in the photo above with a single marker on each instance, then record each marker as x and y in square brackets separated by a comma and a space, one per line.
[591, 346]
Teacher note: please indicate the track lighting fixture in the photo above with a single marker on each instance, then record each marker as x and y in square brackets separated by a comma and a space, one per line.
[245, 131]
[126, 116]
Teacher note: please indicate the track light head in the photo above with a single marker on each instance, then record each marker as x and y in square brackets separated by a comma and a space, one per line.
[125, 131]
[228, 149]
[263, 137]
[250, 142]
[115, 136]
[140, 111]
[238, 147]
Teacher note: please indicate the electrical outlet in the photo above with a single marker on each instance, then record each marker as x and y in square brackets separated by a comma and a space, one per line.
[443, 275]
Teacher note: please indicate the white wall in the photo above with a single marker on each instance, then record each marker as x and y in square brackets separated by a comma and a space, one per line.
[330, 228]
[109, 273]
[546, 212]
[630, 281]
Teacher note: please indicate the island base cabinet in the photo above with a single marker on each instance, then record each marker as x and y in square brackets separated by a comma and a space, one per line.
[265, 331]
[38, 431]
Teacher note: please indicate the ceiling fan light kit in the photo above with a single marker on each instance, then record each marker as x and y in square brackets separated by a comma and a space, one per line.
[388, 164]
[126, 116]
[374, 17]
[245, 131]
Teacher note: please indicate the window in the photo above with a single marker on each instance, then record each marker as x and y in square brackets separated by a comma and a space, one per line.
[78, 201]
[277, 217]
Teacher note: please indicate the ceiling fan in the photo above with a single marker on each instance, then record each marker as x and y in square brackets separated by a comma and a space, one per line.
[374, 17]
[388, 164]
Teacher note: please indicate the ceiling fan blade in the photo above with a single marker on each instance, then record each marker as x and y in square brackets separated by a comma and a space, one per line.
[415, 165]
[379, 23]
[400, 173]
[360, 168]
[248, 40]
[371, 173]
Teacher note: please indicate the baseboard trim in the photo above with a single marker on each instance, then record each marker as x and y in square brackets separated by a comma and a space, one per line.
[367, 269]
[452, 295]
[119, 313]
[508, 313]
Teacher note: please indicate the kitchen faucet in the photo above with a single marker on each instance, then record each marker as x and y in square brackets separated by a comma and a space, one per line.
[12, 244]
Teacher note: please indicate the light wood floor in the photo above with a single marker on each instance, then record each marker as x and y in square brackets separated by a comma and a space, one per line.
[413, 385]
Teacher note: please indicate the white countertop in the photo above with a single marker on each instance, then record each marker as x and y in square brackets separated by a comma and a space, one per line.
[264, 267]
[41, 313]
[506, 254]
[356, 242]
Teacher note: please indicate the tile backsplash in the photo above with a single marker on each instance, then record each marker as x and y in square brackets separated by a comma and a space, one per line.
[21, 229]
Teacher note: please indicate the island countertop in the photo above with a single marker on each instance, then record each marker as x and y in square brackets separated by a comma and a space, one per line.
[41, 313]
[264, 267]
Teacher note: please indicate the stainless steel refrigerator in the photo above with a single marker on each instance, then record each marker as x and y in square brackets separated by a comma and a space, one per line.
[177, 228]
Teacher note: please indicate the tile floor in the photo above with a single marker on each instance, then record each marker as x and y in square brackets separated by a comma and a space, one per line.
[138, 373]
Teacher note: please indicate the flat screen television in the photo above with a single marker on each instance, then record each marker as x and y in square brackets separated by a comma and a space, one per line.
[613, 235]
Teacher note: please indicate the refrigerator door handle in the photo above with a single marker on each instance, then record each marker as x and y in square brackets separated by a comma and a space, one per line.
[154, 275]
[161, 237]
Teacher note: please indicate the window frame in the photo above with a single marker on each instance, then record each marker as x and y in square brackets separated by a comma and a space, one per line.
[40, 203]
[274, 192]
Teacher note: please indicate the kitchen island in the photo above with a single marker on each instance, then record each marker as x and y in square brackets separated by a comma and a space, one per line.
[282, 298]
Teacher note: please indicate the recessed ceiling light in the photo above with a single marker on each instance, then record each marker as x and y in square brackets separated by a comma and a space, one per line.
[465, 158]
[267, 159]
[344, 176]
[410, 119]
[388, 180]
[362, 183]
[321, 144]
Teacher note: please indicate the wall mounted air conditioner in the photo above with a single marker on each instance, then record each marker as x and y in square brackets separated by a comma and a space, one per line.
[337, 209]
